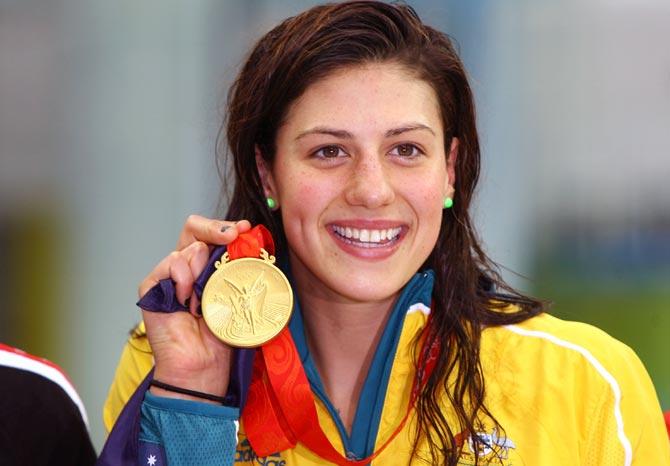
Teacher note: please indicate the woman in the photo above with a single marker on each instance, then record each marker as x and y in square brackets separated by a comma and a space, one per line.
[352, 131]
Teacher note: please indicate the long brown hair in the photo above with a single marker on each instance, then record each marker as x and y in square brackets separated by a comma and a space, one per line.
[468, 291]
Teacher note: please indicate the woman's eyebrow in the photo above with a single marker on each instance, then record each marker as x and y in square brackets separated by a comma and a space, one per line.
[408, 127]
[338, 133]
[342, 134]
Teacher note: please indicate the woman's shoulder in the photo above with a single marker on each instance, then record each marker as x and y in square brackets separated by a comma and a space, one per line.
[597, 386]
[578, 333]
[552, 342]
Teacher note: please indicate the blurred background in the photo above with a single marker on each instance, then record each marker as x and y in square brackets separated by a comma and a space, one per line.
[109, 113]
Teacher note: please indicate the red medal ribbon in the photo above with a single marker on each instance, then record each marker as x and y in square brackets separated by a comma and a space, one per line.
[249, 244]
[280, 409]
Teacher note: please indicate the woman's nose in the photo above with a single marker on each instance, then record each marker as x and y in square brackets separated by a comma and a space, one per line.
[370, 184]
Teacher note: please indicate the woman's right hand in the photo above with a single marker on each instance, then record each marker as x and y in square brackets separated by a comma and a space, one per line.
[186, 353]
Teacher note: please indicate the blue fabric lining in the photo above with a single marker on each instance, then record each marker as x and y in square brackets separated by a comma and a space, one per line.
[191, 407]
[188, 432]
[365, 427]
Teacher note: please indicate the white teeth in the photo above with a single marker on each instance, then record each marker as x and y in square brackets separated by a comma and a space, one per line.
[368, 236]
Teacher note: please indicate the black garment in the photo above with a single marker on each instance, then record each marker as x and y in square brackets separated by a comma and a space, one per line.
[39, 423]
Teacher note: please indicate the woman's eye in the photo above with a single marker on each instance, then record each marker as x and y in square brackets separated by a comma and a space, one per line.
[406, 150]
[329, 152]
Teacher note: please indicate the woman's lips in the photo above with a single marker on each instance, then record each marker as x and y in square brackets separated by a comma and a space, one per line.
[368, 239]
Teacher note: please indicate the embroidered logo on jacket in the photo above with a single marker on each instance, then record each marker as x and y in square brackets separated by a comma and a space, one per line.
[245, 454]
[493, 449]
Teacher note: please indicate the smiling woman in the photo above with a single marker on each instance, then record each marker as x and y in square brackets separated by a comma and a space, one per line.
[352, 132]
[363, 149]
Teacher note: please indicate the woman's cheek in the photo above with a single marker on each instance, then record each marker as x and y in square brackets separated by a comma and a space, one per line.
[301, 203]
[309, 192]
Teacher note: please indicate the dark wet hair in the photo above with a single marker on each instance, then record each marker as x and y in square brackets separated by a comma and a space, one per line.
[469, 293]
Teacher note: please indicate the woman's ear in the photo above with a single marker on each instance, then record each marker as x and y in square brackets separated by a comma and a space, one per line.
[265, 174]
[451, 168]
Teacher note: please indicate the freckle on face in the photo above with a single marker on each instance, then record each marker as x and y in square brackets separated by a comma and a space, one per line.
[307, 189]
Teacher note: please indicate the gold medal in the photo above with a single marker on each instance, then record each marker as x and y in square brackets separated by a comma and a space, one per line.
[248, 301]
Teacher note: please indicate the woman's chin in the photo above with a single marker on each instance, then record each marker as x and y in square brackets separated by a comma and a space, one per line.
[367, 289]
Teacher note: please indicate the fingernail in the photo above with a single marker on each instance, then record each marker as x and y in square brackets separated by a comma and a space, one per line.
[224, 228]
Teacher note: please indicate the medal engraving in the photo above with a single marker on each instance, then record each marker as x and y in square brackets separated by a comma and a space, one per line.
[248, 301]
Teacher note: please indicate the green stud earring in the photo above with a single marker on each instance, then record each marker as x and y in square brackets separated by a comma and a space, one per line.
[448, 203]
[271, 202]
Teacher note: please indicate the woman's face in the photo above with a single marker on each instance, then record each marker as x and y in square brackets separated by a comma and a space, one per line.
[360, 176]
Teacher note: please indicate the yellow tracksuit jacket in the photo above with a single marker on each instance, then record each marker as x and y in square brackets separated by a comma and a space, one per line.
[565, 393]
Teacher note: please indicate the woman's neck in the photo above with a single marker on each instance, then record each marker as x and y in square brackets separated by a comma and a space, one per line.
[342, 338]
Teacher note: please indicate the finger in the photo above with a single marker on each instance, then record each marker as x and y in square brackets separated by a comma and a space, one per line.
[159, 272]
[176, 267]
[180, 273]
[198, 259]
[243, 226]
[194, 306]
[231, 232]
[196, 256]
[210, 231]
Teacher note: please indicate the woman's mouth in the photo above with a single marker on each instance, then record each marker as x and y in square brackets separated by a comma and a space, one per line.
[367, 237]
[370, 240]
